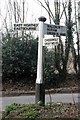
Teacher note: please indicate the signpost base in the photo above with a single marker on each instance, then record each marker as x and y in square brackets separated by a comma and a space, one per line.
[40, 94]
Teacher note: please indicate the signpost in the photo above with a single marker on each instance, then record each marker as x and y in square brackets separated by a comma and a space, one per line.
[79, 35]
[49, 42]
[43, 29]
[55, 30]
[40, 90]
[48, 28]
[79, 21]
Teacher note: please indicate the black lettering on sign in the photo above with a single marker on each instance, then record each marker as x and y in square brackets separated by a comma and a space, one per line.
[25, 26]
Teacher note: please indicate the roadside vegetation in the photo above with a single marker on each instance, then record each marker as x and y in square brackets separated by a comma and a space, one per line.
[19, 54]
[20, 60]
[19, 65]
[53, 110]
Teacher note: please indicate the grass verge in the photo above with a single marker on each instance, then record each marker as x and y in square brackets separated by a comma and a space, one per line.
[49, 111]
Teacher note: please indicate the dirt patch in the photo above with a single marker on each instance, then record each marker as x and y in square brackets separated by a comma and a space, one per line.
[53, 110]
[10, 88]
[48, 91]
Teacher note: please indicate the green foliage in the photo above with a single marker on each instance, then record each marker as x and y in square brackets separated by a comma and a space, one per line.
[19, 57]
[20, 60]
[49, 68]
[70, 25]
[50, 110]
[49, 60]
[61, 54]
[27, 111]
[31, 114]
[11, 108]
[70, 30]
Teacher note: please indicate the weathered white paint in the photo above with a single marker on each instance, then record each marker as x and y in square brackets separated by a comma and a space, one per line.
[79, 23]
[53, 41]
[39, 78]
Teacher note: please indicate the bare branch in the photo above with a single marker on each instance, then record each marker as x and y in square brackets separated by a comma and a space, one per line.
[64, 7]
[48, 10]
[18, 12]
[4, 20]
[26, 10]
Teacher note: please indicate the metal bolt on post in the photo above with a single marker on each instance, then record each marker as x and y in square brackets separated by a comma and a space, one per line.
[40, 89]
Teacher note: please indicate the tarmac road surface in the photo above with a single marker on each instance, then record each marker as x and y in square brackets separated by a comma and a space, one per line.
[66, 98]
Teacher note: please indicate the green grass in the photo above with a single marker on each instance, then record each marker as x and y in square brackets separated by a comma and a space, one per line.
[10, 108]
[33, 111]
[30, 114]
[26, 111]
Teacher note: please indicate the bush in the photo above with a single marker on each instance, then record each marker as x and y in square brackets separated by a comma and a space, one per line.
[20, 60]
[19, 57]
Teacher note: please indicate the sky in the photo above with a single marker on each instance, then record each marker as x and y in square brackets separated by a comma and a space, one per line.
[33, 11]
[33, 8]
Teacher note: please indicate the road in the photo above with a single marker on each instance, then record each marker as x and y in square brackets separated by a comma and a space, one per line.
[66, 98]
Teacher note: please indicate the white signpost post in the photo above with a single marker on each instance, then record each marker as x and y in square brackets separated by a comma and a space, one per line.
[40, 90]
[47, 29]
[79, 35]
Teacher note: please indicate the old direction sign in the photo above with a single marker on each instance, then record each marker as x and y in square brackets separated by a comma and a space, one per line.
[23, 26]
[49, 29]
[55, 30]
[50, 41]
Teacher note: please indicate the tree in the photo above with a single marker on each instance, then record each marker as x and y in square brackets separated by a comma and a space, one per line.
[61, 54]
[19, 59]
[70, 30]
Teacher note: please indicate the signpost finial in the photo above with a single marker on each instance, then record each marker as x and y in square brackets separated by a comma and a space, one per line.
[42, 18]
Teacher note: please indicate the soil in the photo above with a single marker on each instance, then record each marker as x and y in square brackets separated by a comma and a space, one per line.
[54, 110]
[10, 88]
